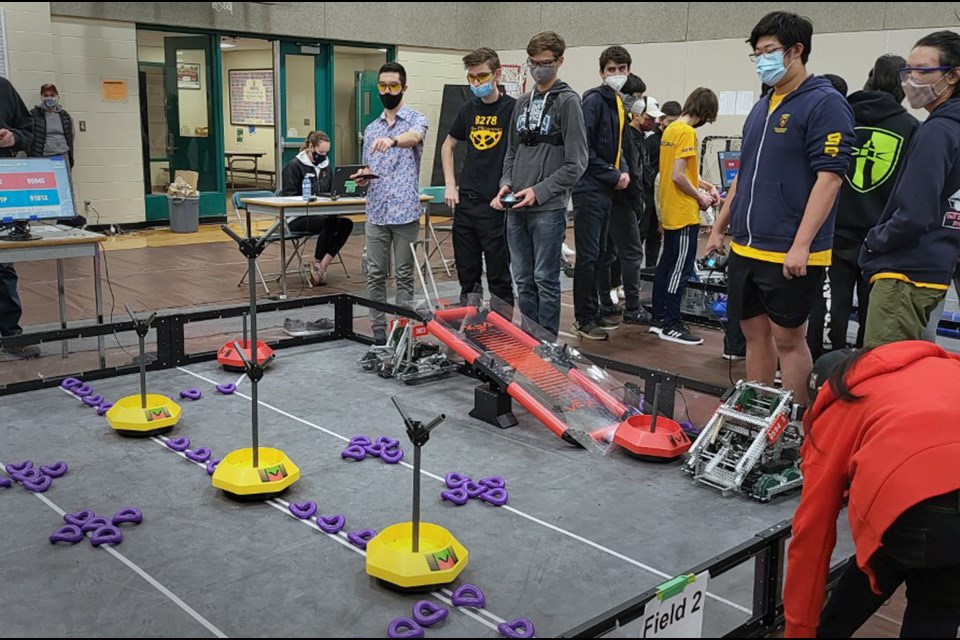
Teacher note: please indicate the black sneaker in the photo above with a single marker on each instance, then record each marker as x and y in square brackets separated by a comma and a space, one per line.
[608, 324]
[590, 331]
[637, 317]
[379, 337]
[610, 310]
[28, 352]
[680, 334]
[733, 357]
[656, 327]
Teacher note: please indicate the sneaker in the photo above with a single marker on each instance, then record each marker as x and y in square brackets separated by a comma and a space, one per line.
[613, 297]
[295, 328]
[321, 325]
[680, 334]
[379, 337]
[610, 310]
[608, 324]
[637, 317]
[656, 327]
[28, 352]
[620, 294]
[567, 251]
[318, 276]
[733, 357]
[568, 270]
[590, 331]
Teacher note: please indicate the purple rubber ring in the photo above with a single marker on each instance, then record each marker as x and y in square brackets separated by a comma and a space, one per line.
[404, 628]
[29, 475]
[201, 454]
[38, 486]
[497, 497]
[19, 467]
[388, 442]
[331, 524]
[212, 466]
[354, 452]
[494, 482]
[70, 383]
[361, 440]
[374, 449]
[468, 595]
[473, 489]
[226, 389]
[392, 456]
[427, 613]
[361, 538]
[103, 408]
[303, 510]
[127, 515]
[83, 391]
[5, 483]
[107, 534]
[191, 394]
[55, 470]
[516, 628]
[79, 518]
[94, 523]
[180, 444]
[454, 480]
[458, 497]
[67, 533]
[93, 401]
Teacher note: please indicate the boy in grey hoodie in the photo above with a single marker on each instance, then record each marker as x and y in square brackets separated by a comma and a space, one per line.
[546, 155]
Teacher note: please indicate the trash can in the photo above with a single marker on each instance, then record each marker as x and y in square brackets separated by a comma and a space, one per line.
[184, 213]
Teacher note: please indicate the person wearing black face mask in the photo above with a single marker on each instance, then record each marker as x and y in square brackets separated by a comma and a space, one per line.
[332, 231]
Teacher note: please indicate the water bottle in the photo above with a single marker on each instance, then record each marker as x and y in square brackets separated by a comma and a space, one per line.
[306, 188]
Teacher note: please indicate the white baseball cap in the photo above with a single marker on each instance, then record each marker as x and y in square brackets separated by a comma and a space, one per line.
[653, 108]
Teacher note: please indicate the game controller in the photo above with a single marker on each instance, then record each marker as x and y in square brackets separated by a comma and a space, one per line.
[715, 261]
[508, 200]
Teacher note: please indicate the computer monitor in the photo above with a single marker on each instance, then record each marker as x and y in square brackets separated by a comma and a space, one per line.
[729, 166]
[344, 186]
[35, 189]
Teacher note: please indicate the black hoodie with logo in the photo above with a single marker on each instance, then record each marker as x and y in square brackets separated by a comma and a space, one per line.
[918, 235]
[883, 132]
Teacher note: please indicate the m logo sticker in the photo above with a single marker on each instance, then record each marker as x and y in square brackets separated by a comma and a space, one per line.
[876, 156]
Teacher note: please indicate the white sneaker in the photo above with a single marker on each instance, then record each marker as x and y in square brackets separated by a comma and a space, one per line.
[567, 251]
[620, 294]
[614, 300]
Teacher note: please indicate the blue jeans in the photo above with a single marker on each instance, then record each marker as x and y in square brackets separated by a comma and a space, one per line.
[10, 308]
[535, 241]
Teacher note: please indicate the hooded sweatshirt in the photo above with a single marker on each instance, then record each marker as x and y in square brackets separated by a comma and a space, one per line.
[895, 447]
[883, 130]
[550, 169]
[918, 236]
[810, 131]
[321, 178]
[605, 121]
[15, 118]
[52, 132]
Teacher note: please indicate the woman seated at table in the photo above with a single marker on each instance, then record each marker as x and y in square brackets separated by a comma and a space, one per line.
[331, 231]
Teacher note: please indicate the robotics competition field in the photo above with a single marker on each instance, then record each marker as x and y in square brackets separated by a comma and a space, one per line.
[579, 534]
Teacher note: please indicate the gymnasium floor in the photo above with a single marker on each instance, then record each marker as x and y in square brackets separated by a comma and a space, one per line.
[580, 534]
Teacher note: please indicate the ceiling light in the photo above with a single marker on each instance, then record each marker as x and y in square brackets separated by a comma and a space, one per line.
[228, 43]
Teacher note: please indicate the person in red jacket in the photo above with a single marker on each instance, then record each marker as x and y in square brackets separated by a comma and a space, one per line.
[884, 428]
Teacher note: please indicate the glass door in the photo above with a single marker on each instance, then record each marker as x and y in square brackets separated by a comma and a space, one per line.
[192, 110]
[304, 105]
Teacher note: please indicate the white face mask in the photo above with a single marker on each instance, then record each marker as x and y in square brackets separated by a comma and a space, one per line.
[638, 107]
[920, 95]
[615, 82]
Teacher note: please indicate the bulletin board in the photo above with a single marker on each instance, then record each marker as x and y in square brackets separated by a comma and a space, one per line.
[251, 97]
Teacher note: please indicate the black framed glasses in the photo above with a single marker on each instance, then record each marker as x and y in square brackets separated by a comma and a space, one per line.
[756, 56]
[541, 63]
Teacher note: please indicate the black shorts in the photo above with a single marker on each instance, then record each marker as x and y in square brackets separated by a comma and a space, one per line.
[755, 287]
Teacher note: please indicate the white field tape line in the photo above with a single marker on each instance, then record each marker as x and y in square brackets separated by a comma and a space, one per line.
[284, 507]
[534, 519]
[140, 572]
[240, 380]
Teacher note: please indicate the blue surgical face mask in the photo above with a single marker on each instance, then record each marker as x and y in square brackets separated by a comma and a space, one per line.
[50, 103]
[770, 68]
[483, 90]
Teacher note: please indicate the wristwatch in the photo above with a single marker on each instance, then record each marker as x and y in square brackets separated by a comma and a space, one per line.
[396, 143]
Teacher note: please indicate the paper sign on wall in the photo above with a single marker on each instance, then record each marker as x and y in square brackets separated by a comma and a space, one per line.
[677, 610]
[113, 90]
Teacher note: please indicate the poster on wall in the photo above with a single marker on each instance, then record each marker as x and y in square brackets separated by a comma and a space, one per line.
[188, 75]
[251, 97]
[513, 79]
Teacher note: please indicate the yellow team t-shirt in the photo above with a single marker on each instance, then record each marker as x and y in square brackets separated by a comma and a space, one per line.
[677, 209]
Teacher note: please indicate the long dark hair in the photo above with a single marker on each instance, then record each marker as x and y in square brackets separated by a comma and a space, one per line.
[948, 44]
[885, 75]
[838, 377]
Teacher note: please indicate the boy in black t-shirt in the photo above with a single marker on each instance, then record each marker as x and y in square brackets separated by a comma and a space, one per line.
[478, 229]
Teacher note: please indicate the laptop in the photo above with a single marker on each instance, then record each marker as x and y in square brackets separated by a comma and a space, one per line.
[343, 185]
[729, 166]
